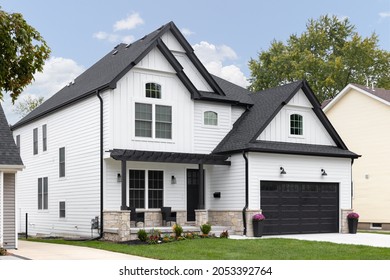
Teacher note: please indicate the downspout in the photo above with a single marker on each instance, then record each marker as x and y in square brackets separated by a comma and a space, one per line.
[101, 163]
[246, 191]
[352, 160]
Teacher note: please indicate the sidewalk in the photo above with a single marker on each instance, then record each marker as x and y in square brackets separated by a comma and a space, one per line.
[29, 250]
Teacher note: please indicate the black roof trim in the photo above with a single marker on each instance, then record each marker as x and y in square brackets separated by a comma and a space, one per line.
[156, 156]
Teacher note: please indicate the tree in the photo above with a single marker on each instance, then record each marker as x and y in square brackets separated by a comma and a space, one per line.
[27, 105]
[22, 52]
[330, 54]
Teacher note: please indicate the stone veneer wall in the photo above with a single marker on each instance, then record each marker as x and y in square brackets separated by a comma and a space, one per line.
[201, 217]
[227, 218]
[116, 225]
[344, 220]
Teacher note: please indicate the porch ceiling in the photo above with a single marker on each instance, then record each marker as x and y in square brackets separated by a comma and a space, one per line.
[154, 156]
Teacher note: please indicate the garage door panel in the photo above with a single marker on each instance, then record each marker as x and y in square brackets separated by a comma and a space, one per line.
[300, 207]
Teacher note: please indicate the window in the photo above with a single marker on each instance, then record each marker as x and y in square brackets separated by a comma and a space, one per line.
[18, 142]
[143, 120]
[296, 124]
[210, 118]
[155, 188]
[153, 90]
[140, 185]
[35, 141]
[62, 162]
[149, 118]
[137, 188]
[62, 209]
[43, 193]
[44, 137]
[163, 122]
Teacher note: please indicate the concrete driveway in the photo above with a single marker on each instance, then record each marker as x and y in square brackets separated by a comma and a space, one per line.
[45, 251]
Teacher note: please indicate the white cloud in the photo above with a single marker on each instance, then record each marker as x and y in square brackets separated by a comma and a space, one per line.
[186, 32]
[57, 73]
[213, 58]
[131, 22]
[101, 35]
[384, 14]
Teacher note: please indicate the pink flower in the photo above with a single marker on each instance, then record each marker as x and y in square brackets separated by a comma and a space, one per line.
[353, 215]
[258, 217]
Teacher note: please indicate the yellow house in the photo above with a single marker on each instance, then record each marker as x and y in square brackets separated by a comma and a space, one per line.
[361, 115]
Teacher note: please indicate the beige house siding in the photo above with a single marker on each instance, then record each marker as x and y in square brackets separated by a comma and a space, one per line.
[363, 123]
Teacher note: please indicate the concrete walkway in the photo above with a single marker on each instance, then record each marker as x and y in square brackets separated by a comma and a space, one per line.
[46, 251]
[368, 239]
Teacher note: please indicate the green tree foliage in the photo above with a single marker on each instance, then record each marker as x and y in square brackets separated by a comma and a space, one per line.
[330, 54]
[27, 105]
[22, 52]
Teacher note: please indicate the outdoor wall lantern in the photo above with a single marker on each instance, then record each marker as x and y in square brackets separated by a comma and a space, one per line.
[118, 178]
[323, 173]
[282, 172]
[173, 180]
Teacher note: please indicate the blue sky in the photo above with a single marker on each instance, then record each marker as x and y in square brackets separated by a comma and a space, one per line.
[225, 34]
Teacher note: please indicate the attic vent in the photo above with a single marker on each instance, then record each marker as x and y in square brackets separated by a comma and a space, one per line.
[162, 26]
[115, 52]
[143, 38]
[128, 46]
[116, 46]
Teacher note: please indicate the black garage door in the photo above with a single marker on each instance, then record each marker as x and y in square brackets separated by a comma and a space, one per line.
[299, 207]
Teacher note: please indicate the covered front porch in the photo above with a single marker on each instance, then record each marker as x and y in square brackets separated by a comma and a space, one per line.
[150, 180]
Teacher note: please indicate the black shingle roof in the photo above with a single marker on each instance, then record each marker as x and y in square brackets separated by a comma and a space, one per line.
[267, 103]
[105, 73]
[9, 154]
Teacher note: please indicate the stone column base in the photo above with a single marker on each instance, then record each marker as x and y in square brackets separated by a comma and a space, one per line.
[344, 220]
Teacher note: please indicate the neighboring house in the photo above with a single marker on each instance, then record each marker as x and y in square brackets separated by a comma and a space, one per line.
[141, 127]
[362, 117]
[10, 163]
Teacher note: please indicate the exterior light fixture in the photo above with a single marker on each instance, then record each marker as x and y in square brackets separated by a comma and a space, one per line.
[118, 178]
[323, 173]
[173, 180]
[282, 171]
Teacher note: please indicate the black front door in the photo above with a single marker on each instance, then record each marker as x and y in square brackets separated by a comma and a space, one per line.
[193, 194]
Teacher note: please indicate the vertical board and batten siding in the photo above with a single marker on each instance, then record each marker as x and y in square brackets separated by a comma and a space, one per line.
[266, 167]
[77, 128]
[313, 130]
[207, 137]
[230, 181]
[9, 225]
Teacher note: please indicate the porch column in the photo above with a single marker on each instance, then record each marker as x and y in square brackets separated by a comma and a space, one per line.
[201, 187]
[123, 176]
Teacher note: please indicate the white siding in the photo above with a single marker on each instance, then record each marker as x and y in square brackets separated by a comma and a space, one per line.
[230, 181]
[9, 232]
[77, 128]
[130, 90]
[1, 207]
[207, 137]
[155, 60]
[171, 42]
[313, 130]
[299, 169]
[236, 113]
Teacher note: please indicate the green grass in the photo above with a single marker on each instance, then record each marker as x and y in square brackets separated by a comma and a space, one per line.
[374, 231]
[229, 249]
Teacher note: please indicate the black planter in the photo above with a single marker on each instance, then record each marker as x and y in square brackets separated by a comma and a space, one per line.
[258, 227]
[352, 225]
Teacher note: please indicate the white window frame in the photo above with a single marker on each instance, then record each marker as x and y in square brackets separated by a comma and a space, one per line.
[210, 124]
[288, 122]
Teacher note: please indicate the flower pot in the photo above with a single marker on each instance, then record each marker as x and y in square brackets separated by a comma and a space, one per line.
[352, 225]
[258, 227]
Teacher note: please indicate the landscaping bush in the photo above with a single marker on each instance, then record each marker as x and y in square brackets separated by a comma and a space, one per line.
[224, 234]
[205, 228]
[3, 251]
[154, 237]
[178, 230]
[142, 235]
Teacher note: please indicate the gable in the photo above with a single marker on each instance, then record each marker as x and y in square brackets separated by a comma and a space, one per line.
[313, 130]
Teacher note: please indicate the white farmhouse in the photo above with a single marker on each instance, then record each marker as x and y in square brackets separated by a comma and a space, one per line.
[148, 127]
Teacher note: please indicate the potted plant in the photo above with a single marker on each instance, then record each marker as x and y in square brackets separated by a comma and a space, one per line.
[353, 219]
[258, 224]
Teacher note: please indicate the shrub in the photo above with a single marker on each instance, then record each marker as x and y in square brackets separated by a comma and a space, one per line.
[177, 229]
[224, 234]
[205, 228]
[3, 251]
[154, 237]
[142, 235]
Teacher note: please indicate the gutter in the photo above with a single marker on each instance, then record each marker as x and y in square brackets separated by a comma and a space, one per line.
[246, 191]
[101, 163]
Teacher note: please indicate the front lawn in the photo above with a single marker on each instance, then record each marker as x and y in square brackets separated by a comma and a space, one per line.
[230, 249]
